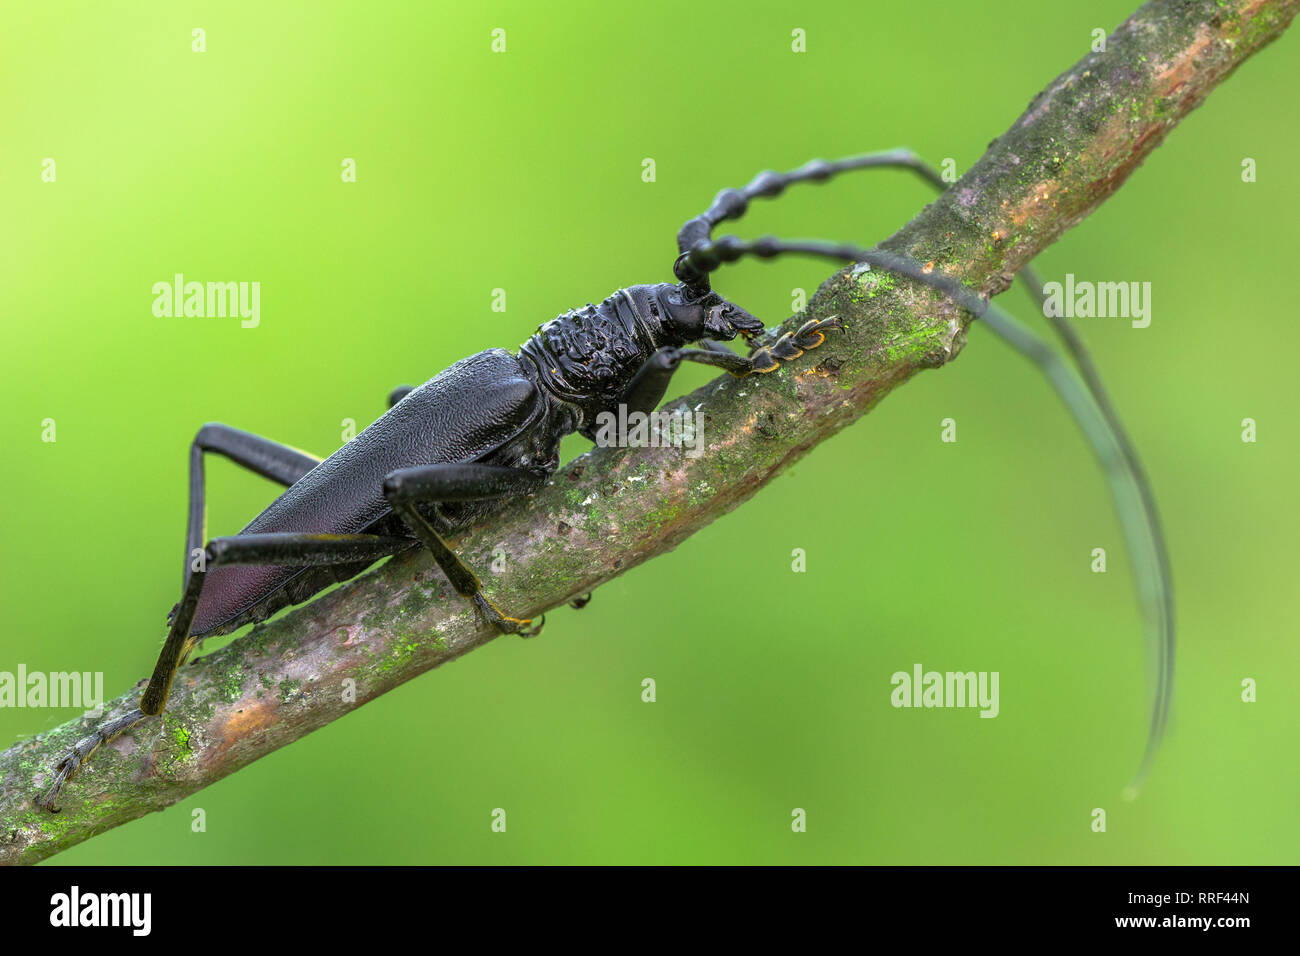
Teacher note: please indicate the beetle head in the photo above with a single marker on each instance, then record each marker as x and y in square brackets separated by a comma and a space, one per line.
[703, 314]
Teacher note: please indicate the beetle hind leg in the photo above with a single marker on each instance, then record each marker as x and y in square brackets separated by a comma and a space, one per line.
[67, 768]
[287, 549]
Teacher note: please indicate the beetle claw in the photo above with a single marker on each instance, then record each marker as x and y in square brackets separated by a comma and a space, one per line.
[503, 622]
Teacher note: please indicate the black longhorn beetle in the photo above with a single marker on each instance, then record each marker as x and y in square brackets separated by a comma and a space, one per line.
[488, 427]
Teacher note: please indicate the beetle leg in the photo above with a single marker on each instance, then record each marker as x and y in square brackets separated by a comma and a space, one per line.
[647, 388]
[407, 487]
[277, 549]
[788, 347]
[648, 385]
[267, 458]
[67, 768]
[290, 549]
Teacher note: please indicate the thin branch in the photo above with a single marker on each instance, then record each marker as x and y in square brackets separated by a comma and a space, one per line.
[611, 509]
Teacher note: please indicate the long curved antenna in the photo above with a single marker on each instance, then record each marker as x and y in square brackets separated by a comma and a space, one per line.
[707, 256]
[1087, 402]
[1157, 582]
[732, 203]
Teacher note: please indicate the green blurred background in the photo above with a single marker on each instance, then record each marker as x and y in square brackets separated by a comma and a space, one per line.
[522, 171]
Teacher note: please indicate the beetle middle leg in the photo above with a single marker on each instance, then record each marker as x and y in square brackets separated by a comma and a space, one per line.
[466, 481]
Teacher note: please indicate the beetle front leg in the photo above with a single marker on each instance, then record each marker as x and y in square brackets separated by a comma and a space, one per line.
[787, 348]
[408, 487]
[648, 386]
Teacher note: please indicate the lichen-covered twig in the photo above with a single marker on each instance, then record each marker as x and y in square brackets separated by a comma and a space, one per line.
[614, 508]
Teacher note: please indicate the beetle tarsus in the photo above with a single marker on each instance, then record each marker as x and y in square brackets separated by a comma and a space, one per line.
[503, 622]
[791, 345]
[67, 768]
